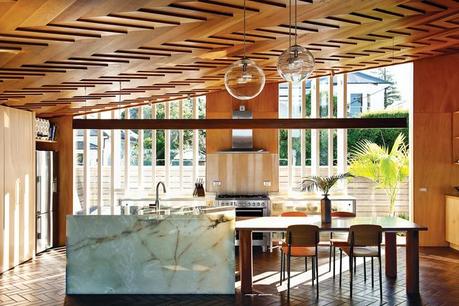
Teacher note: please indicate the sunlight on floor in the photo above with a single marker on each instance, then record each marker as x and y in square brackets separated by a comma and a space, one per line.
[297, 278]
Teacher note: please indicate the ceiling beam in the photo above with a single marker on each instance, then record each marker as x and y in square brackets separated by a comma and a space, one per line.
[205, 124]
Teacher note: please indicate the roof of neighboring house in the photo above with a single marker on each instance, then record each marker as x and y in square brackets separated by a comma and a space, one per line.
[364, 78]
[357, 78]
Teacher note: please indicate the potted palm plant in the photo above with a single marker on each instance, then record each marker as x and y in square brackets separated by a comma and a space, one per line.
[323, 184]
[386, 167]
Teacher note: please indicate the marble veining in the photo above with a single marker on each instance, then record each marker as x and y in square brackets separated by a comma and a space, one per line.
[151, 254]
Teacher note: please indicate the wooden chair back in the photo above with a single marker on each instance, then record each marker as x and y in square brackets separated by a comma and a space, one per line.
[304, 235]
[365, 235]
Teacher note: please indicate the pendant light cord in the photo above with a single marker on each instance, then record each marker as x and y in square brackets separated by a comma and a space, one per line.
[295, 21]
[289, 23]
[244, 28]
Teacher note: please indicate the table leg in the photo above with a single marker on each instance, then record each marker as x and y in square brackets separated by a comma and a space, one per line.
[391, 254]
[412, 262]
[245, 261]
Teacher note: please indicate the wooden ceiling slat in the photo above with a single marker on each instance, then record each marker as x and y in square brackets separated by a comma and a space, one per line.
[167, 49]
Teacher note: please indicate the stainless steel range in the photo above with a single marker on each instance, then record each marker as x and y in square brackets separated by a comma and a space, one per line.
[257, 205]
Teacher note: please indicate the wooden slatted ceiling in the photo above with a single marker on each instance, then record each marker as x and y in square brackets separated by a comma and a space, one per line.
[62, 57]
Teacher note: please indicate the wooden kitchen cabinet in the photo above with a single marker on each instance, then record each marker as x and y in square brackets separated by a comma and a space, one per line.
[17, 187]
[452, 221]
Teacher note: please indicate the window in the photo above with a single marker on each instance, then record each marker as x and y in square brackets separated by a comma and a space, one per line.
[101, 182]
[355, 105]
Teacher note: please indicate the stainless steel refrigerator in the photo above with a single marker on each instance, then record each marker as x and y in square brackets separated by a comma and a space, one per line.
[46, 195]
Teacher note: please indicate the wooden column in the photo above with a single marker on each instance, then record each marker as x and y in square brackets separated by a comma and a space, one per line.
[65, 173]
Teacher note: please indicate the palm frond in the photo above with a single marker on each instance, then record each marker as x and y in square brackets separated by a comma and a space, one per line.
[387, 168]
[322, 183]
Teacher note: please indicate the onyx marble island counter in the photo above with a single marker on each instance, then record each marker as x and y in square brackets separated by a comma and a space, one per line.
[151, 254]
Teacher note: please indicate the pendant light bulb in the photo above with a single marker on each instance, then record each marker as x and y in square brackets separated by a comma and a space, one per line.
[244, 80]
[296, 63]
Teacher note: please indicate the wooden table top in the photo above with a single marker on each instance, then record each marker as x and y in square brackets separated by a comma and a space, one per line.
[388, 224]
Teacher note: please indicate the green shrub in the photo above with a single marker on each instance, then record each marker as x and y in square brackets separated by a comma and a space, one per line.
[382, 137]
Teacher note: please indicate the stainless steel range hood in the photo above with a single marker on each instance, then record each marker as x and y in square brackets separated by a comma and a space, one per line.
[242, 139]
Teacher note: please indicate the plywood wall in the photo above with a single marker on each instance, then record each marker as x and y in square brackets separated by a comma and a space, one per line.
[436, 82]
[220, 105]
[17, 243]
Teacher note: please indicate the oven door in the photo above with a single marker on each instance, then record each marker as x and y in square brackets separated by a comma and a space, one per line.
[247, 213]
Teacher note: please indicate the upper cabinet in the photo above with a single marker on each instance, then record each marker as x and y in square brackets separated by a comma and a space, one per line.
[455, 135]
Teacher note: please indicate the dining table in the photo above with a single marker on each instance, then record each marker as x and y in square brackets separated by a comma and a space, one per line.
[390, 226]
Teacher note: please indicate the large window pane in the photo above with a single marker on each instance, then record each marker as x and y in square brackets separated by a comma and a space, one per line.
[324, 101]
[202, 133]
[160, 136]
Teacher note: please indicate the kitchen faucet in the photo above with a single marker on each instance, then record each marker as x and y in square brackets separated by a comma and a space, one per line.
[157, 194]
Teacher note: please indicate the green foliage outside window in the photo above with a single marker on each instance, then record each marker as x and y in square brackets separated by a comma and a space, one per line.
[381, 137]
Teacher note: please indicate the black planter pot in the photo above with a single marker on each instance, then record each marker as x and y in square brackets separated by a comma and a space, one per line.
[325, 209]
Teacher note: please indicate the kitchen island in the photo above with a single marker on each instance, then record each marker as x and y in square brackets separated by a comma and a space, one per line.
[152, 254]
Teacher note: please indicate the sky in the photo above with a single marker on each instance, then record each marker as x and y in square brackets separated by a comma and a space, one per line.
[403, 76]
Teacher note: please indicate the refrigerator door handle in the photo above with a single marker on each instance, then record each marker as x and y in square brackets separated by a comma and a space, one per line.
[38, 227]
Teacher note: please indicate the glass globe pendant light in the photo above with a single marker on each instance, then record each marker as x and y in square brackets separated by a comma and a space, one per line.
[296, 63]
[244, 80]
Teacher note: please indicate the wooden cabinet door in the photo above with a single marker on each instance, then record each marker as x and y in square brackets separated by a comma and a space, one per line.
[452, 221]
[18, 187]
[2, 193]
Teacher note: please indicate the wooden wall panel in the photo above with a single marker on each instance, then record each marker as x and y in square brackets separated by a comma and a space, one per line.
[18, 241]
[435, 98]
[242, 173]
[65, 173]
[220, 105]
[2, 186]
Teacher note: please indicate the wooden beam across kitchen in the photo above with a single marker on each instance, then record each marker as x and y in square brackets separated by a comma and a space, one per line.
[205, 124]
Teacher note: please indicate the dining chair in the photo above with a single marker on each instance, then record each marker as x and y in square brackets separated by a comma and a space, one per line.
[290, 214]
[364, 241]
[302, 241]
[338, 241]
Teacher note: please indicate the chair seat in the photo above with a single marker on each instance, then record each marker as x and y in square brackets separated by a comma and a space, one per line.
[362, 251]
[300, 251]
[339, 242]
